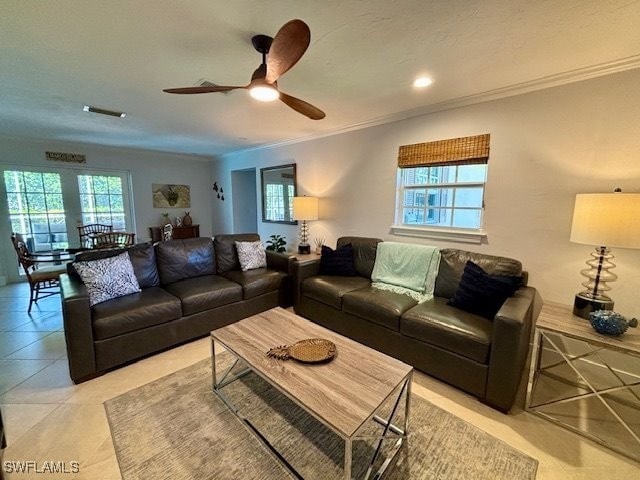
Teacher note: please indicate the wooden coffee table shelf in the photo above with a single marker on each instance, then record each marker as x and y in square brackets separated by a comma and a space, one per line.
[343, 394]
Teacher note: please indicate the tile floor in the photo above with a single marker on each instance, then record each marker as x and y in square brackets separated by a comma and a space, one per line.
[47, 417]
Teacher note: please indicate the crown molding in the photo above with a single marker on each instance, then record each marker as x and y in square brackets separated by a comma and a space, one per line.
[571, 76]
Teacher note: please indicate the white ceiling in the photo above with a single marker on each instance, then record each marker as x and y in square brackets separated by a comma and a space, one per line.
[58, 55]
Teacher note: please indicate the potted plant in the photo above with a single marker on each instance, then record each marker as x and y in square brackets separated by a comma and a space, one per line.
[276, 243]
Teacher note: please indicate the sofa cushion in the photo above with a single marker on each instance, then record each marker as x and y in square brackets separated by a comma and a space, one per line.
[226, 252]
[329, 289]
[143, 259]
[453, 261]
[204, 293]
[188, 258]
[108, 278]
[152, 306]
[481, 293]
[251, 255]
[257, 282]
[378, 306]
[449, 328]
[364, 253]
[338, 261]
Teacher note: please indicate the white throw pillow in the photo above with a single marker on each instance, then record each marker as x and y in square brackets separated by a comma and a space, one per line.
[108, 278]
[251, 255]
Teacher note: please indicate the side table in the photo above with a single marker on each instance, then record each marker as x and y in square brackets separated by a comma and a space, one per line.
[585, 381]
[305, 258]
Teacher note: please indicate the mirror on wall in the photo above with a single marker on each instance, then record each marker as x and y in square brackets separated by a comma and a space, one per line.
[278, 190]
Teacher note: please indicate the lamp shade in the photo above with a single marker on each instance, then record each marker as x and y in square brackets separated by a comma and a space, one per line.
[607, 219]
[305, 208]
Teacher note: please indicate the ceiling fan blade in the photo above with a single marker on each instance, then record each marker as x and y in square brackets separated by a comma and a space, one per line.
[289, 44]
[314, 113]
[191, 90]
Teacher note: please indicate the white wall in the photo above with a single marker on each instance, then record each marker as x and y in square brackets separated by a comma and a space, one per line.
[145, 168]
[245, 201]
[546, 146]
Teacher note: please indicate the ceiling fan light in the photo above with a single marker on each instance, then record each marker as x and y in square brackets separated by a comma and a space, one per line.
[422, 82]
[264, 93]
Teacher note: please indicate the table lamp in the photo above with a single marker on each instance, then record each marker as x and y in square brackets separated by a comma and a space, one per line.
[604, 220]
[304, 209]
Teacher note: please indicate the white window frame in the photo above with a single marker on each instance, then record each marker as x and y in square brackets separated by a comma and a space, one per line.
[444, 233]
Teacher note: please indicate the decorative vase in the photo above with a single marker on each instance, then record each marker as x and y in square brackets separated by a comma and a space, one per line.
[187, 221]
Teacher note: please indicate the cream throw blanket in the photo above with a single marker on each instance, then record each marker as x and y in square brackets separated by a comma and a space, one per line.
[407, 269]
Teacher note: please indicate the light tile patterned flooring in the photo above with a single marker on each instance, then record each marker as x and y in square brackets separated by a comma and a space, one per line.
[48, 418]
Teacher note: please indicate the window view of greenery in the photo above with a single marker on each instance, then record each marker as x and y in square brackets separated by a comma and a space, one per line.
[36, 209]
[101, 200]
[278, 200]
[449, 196]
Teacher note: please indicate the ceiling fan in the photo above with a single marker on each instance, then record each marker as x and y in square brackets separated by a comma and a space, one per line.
[284, 50]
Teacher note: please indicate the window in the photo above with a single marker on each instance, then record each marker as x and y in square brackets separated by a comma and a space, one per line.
[102, 200]
[274, 201]
[448, 196]
[278, 200]
[36, 209]
[441, 188]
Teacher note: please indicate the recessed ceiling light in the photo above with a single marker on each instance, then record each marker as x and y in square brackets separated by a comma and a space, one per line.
[422, 82]
[102, 111]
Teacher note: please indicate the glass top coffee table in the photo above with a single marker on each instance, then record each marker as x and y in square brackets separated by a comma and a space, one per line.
[346, 394]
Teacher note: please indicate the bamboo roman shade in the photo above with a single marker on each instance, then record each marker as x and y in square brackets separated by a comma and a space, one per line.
[458, 151]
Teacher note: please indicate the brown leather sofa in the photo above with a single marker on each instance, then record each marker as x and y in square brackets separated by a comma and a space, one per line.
[480, 356]
[189, 287]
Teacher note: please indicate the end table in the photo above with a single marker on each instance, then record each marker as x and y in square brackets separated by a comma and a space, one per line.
[585, 381]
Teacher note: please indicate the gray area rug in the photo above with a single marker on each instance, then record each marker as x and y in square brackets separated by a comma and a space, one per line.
[176, 428]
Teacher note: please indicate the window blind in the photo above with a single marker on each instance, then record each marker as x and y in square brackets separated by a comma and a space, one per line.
[453, 151]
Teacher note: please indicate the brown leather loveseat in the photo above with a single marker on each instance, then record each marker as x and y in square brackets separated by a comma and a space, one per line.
[484, 357]
[189, 287]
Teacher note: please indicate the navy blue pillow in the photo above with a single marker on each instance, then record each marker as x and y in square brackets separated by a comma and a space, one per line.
[338, 261]
[481, 293]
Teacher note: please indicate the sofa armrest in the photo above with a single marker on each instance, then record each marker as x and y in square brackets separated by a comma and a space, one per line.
[280, 261]
[78, 330]
[302, 271]
[510, 347]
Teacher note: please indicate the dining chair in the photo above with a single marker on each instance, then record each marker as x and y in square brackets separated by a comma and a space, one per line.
[88, 232]
[102, 241]
[43, 280]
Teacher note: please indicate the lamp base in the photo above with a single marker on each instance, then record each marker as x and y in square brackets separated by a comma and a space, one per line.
[583, 306]
[304, 248]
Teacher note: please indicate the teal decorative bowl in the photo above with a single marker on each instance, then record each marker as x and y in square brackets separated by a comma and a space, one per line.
[608, 322]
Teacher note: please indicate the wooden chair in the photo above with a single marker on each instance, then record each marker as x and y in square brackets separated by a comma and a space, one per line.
[88, 232]
[103, 241]
[43, 282]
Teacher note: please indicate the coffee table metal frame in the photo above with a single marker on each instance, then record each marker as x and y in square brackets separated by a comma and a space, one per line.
[390, 431]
